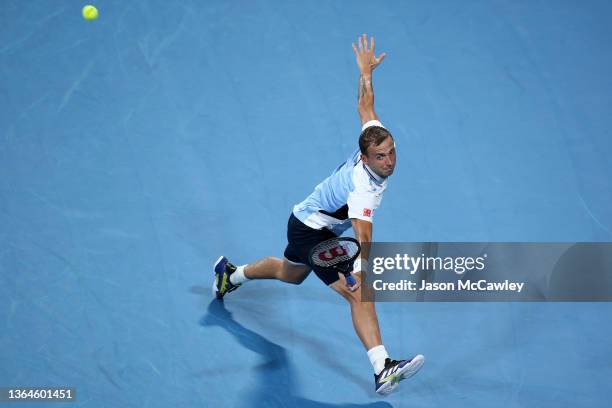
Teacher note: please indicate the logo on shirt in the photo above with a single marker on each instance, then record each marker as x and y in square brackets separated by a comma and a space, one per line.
[367, 212]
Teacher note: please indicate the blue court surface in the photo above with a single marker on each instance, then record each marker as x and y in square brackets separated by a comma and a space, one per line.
[138, 148]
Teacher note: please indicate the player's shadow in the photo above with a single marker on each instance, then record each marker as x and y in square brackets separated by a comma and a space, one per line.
[274, 377]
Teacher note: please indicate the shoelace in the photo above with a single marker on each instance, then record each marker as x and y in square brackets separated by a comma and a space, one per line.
[391, 363]
[230, 268]
[388, 365]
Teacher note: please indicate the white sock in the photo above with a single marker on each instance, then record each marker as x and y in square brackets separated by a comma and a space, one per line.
[377, 356]
[238, 276]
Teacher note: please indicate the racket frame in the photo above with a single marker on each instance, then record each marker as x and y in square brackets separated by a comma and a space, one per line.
[342, 267]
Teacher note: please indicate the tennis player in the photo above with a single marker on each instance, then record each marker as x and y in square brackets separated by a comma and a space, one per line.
[347, 198]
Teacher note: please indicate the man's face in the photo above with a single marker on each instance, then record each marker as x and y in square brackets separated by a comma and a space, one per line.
[381, 158]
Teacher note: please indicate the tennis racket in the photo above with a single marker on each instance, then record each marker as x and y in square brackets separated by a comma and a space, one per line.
[336, 254]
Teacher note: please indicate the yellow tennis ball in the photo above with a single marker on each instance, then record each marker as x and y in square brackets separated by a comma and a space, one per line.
[90, 12]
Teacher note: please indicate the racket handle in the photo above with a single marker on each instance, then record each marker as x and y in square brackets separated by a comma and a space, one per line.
[350, 281]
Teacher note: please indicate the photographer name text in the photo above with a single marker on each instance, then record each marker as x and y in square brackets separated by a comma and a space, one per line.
[481, 285]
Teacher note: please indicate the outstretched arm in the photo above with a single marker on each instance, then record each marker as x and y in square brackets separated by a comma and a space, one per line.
[363, 234]
[367, 62]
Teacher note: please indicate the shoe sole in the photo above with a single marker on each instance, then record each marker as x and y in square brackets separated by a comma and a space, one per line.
[215, 290]
[405, 372]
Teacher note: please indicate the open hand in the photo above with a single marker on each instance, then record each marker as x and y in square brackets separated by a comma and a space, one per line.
[366, 59]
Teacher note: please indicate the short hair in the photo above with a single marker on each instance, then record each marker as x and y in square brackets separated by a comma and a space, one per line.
[373, 135]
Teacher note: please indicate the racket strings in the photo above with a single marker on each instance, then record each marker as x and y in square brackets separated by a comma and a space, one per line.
[334, 253]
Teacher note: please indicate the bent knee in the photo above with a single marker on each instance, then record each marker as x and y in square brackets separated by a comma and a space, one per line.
[294, 279]
[294, 274]
[351, 297]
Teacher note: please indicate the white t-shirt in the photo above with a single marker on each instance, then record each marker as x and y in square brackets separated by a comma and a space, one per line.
[352, 191]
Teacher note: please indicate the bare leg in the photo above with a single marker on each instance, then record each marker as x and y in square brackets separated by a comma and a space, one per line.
[364, 316]
[274, 268]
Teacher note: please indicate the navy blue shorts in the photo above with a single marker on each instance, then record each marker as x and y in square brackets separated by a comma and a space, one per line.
[301, 240]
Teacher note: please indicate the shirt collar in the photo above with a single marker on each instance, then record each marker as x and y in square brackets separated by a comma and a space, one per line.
[375, 176]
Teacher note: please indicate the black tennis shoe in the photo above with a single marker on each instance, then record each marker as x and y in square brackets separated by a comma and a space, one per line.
[222, 285]
[396, 371]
